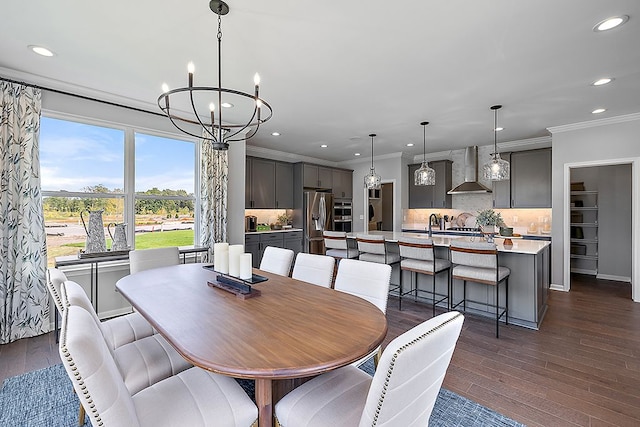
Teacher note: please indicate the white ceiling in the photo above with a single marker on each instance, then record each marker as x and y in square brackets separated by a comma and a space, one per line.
[336, 71]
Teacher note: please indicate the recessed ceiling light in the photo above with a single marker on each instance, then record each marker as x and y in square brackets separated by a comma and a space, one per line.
[323, 146]
[41, 50]
[275, 133]
[357, 154]
[598, 110]
[498, 129]
[602, 81]
[227, 105]
[610, 23]
[410, 144]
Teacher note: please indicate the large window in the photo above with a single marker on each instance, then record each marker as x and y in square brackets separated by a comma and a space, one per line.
[89, 167]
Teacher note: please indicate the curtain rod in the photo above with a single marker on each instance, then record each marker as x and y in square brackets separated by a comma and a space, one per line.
[88, 98]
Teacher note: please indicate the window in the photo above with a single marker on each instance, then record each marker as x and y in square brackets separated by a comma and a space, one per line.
[91, 167]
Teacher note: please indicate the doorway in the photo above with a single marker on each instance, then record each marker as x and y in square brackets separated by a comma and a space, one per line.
[599, 226]
[380, 215]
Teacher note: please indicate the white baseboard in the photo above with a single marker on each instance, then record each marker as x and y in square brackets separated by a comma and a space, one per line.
[613, 277]
[584, 271]
[556, 287]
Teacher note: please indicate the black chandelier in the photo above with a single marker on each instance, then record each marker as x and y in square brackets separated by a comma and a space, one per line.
[213, 129]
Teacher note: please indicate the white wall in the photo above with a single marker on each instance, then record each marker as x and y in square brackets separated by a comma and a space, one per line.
[595, 143]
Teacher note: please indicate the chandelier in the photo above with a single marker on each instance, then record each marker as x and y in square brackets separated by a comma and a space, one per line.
[372, 181]
[424, 175]
[209, 118]
[497, 169]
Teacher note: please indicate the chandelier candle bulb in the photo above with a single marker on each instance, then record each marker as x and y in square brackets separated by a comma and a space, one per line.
[245, 266]
[234, 259]
[190, 70]
[221, 257]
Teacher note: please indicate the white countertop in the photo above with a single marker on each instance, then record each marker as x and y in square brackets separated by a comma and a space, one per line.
[284, 230]
[421, 226]
[521, 246]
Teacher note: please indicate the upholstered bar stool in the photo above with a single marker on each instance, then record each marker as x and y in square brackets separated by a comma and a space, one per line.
[373, 248]
[336, 245]
[478, 262]
[418, 257]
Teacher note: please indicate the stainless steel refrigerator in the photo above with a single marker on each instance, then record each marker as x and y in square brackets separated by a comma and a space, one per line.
[318, 217]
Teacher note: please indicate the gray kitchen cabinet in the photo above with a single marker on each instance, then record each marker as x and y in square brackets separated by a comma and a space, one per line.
[501, 190]
[342, 181]
[431, 196]
[531, 179]
[284, 185]
[315, 176]
[269, 184]
[256, 243]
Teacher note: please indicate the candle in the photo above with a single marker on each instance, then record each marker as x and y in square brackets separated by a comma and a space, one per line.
[234, 259]
[245, 266]
[221, 257]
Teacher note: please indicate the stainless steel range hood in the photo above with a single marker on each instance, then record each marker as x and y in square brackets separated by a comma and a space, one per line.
[470, 184]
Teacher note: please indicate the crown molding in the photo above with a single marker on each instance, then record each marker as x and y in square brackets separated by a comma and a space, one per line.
[397, 155]
[595, 123]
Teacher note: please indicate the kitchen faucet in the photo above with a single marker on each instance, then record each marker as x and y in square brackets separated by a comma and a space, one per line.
[431, 222]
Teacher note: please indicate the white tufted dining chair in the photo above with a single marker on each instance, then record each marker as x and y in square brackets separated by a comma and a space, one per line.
[194, 397]
[366, 280]
[315, 269]
[402, 392]
[146, 259]
[277, 260]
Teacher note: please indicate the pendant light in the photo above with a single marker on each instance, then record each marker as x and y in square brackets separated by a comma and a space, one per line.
[497, 169]
[424, 175]
[372, 181]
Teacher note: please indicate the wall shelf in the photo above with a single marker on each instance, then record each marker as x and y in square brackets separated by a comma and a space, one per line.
[584, 231]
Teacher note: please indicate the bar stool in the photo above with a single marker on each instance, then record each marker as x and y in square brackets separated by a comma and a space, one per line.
[337, 246]
[373, 248]
[418, 256]
[478, 262]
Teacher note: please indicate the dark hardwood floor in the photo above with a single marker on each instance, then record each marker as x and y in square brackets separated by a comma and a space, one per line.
[582, 367]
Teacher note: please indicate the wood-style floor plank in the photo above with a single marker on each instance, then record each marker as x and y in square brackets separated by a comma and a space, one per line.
[582, 368]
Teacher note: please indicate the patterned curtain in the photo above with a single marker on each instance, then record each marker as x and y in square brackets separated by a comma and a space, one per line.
[24, 301]
[214, 177]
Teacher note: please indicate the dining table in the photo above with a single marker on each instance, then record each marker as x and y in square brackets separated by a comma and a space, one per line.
[290, 330]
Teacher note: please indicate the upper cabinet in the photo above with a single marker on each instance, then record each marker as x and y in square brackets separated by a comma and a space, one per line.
[342, 181]
[431, 196]
[269, 184]
[315, 176]
[531, 179]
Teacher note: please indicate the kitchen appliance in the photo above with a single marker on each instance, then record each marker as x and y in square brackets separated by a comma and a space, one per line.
[250, 223]
[317, 217]
[342, 218]
[470, 184]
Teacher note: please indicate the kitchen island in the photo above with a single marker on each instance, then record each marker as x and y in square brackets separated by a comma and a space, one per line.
[528, 260]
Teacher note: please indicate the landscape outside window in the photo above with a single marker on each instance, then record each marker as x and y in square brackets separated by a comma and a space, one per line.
[83, 168]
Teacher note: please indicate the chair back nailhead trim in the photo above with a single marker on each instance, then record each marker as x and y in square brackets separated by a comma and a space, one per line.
[395, 357]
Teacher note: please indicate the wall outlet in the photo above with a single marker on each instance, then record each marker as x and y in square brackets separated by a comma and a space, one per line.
[361, 216]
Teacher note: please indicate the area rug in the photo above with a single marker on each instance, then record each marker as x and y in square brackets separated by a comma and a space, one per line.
[45, 398]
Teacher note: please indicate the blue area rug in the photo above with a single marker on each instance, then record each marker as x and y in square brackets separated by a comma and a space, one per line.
[45, 398]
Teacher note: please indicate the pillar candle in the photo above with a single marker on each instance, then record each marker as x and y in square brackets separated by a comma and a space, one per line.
[221, 257]
[234, 259]
[245, 267]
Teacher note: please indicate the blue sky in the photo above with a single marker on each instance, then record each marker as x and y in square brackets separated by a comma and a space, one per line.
[75, 155]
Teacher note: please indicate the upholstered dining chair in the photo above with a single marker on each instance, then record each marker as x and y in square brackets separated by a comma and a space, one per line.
[402, 392]
[315, 269]
[146, 259]
[418, 257]
[142, 362]
[366, 280]
[277, 260]
[478, 262]
[194, 397]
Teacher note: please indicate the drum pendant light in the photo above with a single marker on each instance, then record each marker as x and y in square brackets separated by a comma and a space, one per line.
[424, 175]
[497, 169]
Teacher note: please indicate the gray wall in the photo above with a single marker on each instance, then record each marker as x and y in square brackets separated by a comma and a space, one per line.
[614, 141]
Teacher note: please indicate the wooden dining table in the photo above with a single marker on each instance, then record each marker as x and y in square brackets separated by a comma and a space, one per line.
[292, 330]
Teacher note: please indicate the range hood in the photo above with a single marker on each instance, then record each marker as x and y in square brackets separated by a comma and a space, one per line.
[470, 184]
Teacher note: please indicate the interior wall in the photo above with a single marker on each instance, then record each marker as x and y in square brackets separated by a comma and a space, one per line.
[605, 143]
